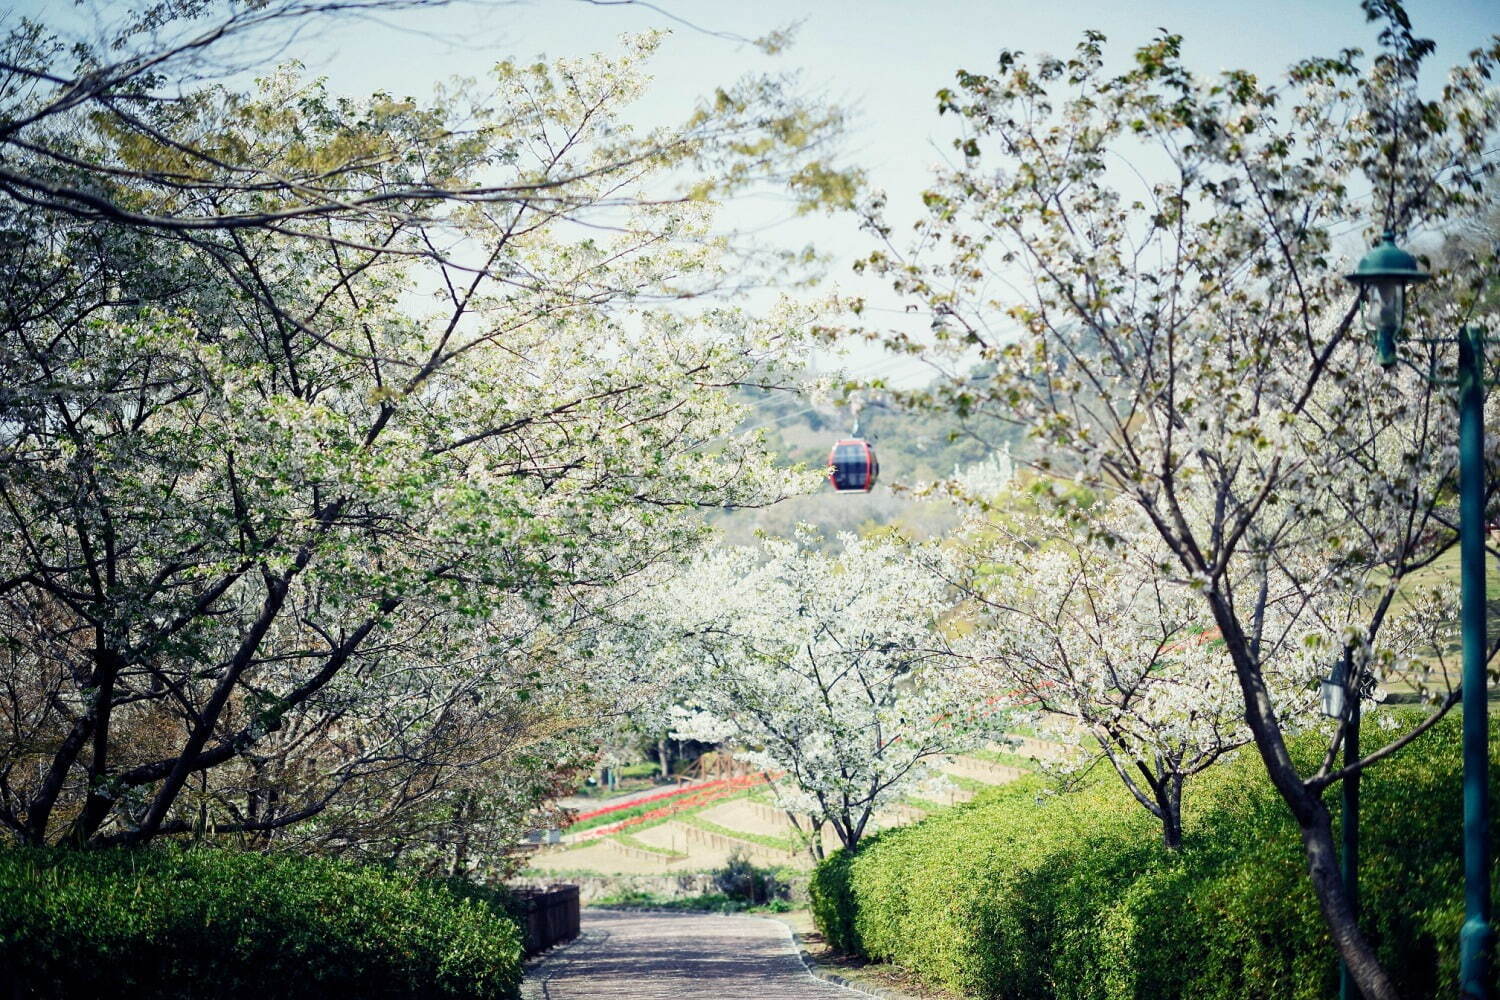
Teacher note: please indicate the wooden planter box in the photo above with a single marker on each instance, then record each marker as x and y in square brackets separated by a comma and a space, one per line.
[549, 917]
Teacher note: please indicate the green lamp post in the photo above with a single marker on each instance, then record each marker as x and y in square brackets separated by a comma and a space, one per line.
[1382, 277]
[1341, 695]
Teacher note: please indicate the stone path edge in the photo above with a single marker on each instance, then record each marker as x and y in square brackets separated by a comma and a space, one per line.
[819, 972]
[533, 969]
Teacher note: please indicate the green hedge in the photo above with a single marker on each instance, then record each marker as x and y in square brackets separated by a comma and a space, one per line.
[1023, 894]
[168, 923]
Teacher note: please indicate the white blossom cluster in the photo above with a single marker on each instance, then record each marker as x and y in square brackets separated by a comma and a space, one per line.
[315, 523]
[1154, 263]
[826, 667]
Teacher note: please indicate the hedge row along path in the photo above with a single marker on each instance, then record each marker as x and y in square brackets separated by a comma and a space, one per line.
[678, 956]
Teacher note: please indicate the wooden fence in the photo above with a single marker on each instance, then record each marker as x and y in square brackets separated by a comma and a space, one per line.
[549, 917]
[723, 842]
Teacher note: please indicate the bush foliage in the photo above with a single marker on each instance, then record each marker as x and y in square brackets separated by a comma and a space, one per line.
[1023, 894]
[168, 923]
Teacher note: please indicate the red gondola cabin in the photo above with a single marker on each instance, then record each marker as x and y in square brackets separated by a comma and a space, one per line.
[852, 466]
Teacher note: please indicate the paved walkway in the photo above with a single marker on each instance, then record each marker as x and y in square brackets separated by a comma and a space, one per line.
[681, 956]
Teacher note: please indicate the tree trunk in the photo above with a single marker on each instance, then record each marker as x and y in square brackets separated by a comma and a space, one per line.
[1312, 816]
[463, 821]
[843, 825]
[93, 724]
[1170, 801]
[207, 717]
[97, 805]
[1328, 884]
[813, 840]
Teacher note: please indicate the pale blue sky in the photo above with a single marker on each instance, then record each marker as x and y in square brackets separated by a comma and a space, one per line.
[885, 58]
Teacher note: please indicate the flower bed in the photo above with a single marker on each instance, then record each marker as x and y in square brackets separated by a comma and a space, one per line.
[680, 799]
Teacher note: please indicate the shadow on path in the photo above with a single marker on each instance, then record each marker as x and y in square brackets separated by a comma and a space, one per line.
[682, 956]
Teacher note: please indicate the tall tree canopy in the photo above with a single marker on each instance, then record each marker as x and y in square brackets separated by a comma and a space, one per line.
[325, 420]
[1150, 259]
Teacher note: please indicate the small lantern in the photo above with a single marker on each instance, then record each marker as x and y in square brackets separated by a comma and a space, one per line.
[1382, 277]
[1335, 694]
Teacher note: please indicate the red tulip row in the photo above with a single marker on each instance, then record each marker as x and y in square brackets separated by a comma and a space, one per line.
[664, 794]
[699, 795]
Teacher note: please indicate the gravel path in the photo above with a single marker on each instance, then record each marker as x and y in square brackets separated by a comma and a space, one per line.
[681, 956]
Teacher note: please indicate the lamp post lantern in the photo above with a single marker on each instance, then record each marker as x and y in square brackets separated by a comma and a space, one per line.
[1382, 277]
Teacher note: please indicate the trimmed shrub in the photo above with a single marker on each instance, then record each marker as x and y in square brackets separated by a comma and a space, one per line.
[742, 880]
[1021, 894]
[498, 899]
[832, 902]
[170, 923]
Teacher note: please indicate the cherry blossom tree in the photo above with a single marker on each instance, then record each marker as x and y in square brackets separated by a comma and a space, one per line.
[1150, 259]
[304, 529]
[827, 669]
[1085, 618]
[1091, 631]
